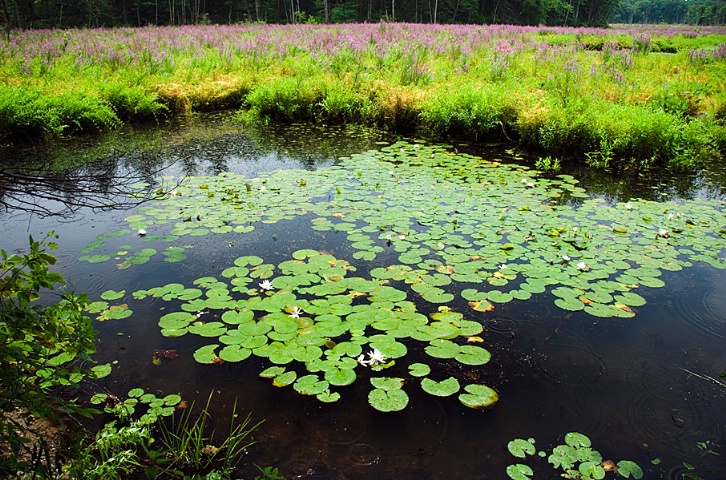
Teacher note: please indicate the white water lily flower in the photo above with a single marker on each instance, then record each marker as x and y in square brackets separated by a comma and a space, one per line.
[296, 312]
[582, 266]
[671, 216]
[376, 357]
[173, 193]
[263, 189]
[266, 285]
[362, 360]
[663, 233]
[142, 232]
[574, 229]
[503, 266]
[628, 206]
[565, 258]
[530, 184]
[524, 180]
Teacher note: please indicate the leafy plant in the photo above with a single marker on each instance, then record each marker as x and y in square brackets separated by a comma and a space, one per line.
[39, 344]
[575, 458]
[548, 164]
[191, 448]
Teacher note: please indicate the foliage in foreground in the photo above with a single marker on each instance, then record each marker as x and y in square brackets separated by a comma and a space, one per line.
[615, 97]
[39, 347]
[156, 449]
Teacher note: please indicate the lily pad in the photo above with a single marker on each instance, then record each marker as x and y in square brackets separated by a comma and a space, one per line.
[443, 388]
[388, 400]
[478, 396]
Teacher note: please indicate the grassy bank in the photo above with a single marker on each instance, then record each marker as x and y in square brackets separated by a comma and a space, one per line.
[617, 96]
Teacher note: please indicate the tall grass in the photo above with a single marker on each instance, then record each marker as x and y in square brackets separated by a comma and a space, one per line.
[610, 96]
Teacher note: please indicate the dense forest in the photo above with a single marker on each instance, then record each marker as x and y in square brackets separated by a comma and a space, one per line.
[693, 12]
[109, 13]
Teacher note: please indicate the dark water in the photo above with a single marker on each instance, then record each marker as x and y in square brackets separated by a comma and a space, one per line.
[623, 382]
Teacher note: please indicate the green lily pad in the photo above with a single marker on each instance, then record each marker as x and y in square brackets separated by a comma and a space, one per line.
[112, 295]
[387, 383]
[340, 377]
[473, 355]
[419, 369]
[206, 354]
[234, 353]
[284, 379]
[443, 349]
[310, 385]
[478, 396]
[521, 448]
[388, 400]
[519, 471]
[444, 388]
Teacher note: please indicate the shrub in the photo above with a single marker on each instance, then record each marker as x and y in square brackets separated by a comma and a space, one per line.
[285, 99]
[33, 111]
[38, 345]
[468, 110]
[133, 102]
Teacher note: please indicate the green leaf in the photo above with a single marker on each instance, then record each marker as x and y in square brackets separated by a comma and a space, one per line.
[521, 448]
[444, 388]
[112, 295]
[519, 472]
[387, 383]
[472, 355]
[388, 400]
[206, 354]
[626, 468]
[340, 377]
[284, 379]
[478, 396]
[575, 440]
[419, 369]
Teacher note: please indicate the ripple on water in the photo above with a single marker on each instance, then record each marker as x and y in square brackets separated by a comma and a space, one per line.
[704, 310]
[570, 362]
[622, 336]
[114, 381]
[363, 455]
[671, 427]
[339, 428]
[659, 378]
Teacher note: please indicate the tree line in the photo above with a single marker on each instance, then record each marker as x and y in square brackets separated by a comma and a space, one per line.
[693, 12]
[111, 13]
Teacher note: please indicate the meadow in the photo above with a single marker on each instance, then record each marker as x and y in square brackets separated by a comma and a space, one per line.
[622, 97]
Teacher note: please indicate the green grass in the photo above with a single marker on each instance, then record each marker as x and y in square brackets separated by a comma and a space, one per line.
[612, 98]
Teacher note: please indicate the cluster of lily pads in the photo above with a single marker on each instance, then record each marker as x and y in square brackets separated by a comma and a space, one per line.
[155, 407]
[576, 457]
[442, 223]
[307, 312]
[499, 230]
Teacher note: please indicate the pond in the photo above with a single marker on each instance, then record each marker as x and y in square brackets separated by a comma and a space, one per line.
[498, 302]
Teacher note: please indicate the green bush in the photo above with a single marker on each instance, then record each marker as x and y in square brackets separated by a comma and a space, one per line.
[343, 105]
[39, 345]
[285, 99]
[133, 102]
[33, 111]
[468, 110]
